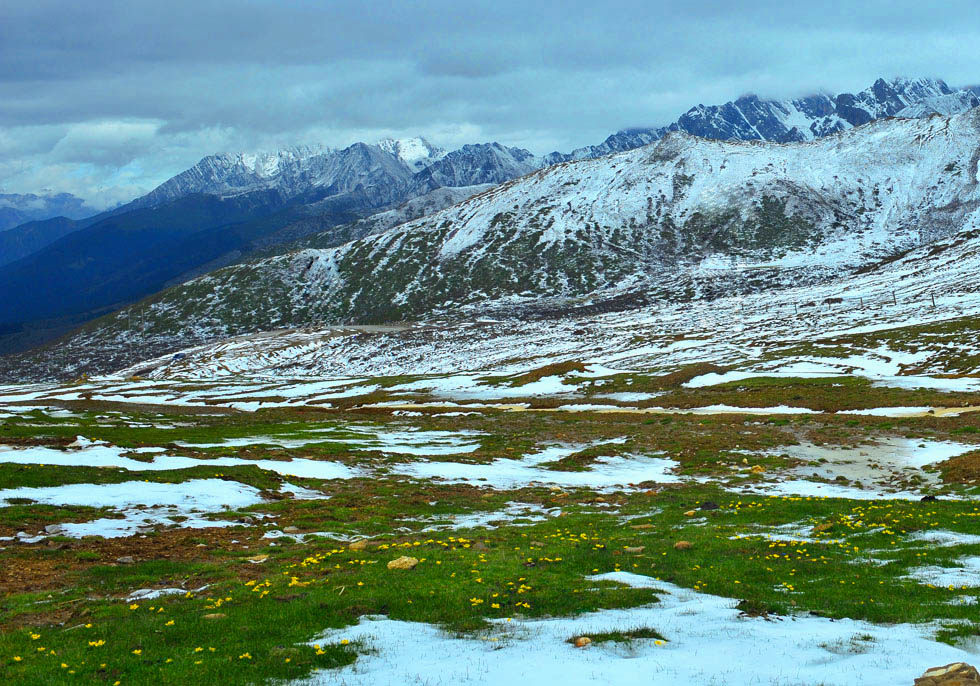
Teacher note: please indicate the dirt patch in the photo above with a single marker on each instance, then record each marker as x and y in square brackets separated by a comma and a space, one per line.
[48, 441]
[963, 469]
[52, 564]
[556, 369]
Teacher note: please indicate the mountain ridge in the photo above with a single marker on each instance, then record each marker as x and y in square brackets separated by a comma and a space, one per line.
[669, 222]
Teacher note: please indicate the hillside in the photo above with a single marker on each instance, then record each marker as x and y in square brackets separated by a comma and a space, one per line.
[669, 222]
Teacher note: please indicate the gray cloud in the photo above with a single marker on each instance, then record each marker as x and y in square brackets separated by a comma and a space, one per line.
[108, 99]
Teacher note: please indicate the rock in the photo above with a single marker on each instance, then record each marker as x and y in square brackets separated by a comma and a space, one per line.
[403, 562]
[710, 505]
[358, 545]
[634, 550]
[258, 559]
[126, 560]
[641, 526]
[215, 615]
[291, 530]
[583, 641]
[683, 545]
[954, 674]
[690, 513]
[924, 499]
[53, 529]
[537, 544]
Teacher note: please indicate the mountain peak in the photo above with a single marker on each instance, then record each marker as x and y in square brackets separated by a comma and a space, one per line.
[416, 152]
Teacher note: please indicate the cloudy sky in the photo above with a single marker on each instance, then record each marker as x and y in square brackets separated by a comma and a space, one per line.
[105, 99]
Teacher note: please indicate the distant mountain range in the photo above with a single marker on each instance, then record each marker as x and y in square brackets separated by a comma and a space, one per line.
[229, 207]
[685, 218]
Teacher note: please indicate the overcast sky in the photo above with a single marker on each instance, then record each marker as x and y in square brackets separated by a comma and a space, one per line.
[107, 98]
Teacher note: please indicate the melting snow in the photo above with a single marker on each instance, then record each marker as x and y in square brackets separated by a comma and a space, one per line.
[708, 644]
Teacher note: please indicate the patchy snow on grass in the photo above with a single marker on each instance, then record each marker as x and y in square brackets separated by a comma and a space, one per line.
[513, 514]
[943, 538]
[111, 456]
[143, 505]
[606, 473]
[967, 575]
[881, 467]
[707, 644]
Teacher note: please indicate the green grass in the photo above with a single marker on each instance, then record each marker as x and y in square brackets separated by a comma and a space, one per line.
[856, 564]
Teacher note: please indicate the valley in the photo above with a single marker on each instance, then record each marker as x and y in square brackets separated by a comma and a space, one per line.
[631, 412]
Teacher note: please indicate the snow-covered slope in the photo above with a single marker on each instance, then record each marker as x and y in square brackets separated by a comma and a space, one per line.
[951, 103]
[671, 222]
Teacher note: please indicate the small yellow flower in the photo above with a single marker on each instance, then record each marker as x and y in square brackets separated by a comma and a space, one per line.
[344, 642]
[134, 606]
[170, 623]
[17, 658]
[138, 651]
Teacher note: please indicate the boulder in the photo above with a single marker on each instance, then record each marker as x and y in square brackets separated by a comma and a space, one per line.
[358, 545]
[582, 641]
[683, 545]
[403, 562]
[954, 674]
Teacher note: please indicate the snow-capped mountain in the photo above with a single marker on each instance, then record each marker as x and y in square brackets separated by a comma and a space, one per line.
[475, 164]
[417, 152]
[794, 120]
[676, 220]
[413, 166]
[384, 174]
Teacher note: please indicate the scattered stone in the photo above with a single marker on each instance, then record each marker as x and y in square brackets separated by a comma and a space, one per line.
[710, 505]
[291, 530]
[258, 559]
[634, 550]
[641, 526]
[403, 562]
[53, 529]
[126, 560]
[537, 544]
[955, 674]
[683, 545]
[583, 642]
[215, 615]
[358, 545]
[690, 513]
[928, 499]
